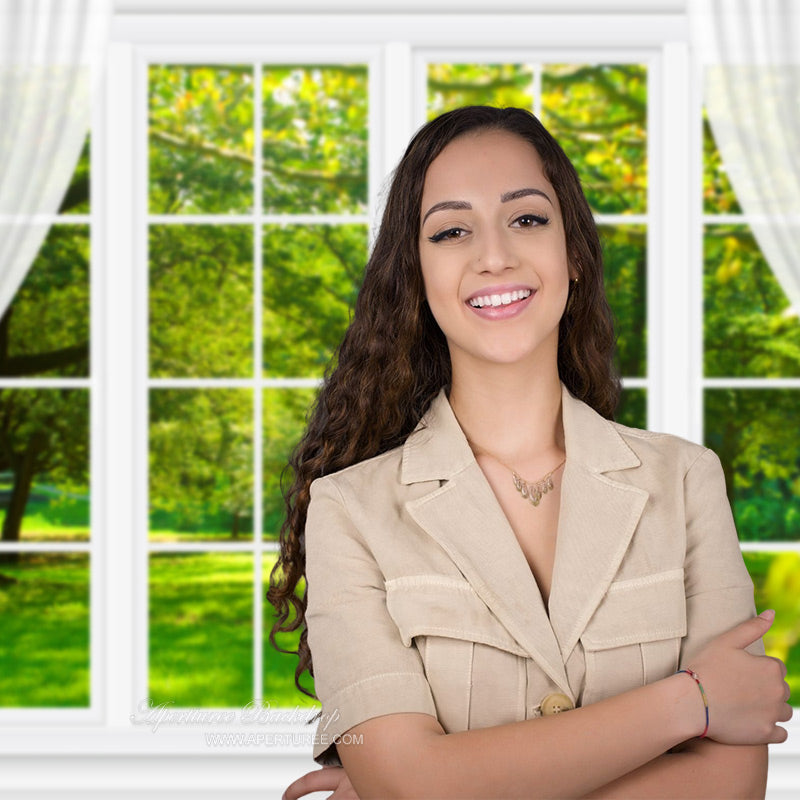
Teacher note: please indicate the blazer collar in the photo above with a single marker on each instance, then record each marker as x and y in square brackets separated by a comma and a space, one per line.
[437, 449]
[598, 515]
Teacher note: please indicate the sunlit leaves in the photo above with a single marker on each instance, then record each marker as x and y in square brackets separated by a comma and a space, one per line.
[777, 585]
[453, 85]
[718, 196]
[315, 139]
[750, 331]
[598, 114]
[201, 139]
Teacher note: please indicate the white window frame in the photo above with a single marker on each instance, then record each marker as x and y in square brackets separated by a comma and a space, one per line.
[127, 756]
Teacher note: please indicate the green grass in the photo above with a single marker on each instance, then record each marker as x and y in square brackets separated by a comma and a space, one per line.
[44, 631]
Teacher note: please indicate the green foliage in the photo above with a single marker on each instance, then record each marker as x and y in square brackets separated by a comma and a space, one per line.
[44, 631]
[598, 114]
[453, 85]
[285, 412]
[48, 321]
[632, 409]
[54, 425]
[777, 585]
[201, 301]
[201, 139]
[625, 267]
[749, 331]
[760, 455]
[52, 513]
[718, 196]
[77, 197]
[315, 139]
[201, 461]
[311, 277]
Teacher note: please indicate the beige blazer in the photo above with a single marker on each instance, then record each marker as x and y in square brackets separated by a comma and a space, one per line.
[421, 599]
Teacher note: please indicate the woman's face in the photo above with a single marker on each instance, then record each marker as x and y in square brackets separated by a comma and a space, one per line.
[493, 251]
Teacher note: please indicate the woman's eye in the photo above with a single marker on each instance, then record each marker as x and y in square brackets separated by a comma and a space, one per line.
[450, 233]
[531, 220]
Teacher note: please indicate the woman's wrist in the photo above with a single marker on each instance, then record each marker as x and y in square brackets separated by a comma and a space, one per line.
[686, 712]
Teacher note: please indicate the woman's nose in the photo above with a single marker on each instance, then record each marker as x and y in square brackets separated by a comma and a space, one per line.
[495, 253]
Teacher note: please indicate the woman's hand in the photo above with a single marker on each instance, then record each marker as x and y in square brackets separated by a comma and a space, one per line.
[747, 694]
[322, 780]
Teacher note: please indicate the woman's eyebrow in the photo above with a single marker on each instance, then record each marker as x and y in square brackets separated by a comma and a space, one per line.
[448, 205]
[462, 205]
[517, 193]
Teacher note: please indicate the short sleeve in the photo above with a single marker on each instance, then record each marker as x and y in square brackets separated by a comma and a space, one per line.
[362, 669]
[719, 591]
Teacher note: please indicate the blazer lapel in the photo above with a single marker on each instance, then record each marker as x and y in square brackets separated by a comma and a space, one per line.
[598, 517]
[463, 516]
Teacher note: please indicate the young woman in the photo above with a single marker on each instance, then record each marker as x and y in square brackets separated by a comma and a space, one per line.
[502, 583]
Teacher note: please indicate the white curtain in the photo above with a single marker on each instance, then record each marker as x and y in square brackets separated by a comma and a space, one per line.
[51, 58]
[749, 51]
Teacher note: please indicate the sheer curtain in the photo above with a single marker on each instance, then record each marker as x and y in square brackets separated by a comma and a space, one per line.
[749, 51]
[51, 55]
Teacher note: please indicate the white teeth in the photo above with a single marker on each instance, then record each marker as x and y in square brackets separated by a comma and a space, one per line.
[503, 299]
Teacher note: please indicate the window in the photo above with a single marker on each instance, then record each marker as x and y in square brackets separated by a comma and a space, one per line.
[47, 390]
[258, 201]
[751, 366]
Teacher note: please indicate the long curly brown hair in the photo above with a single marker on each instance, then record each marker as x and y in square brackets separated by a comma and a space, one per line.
[394, 359]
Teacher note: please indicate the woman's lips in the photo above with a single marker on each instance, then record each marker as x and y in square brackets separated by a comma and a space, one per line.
[503, 305]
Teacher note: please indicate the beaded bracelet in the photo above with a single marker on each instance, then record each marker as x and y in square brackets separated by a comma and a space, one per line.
[696, 678]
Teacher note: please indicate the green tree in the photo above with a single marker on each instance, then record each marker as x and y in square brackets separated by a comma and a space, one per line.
[43, 432]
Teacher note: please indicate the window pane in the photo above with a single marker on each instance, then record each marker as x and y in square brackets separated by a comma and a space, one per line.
[44, 464]
[76, 200]
[777, 585]
[632, 409]
[454, 85]
[201, 301]
[285, 413]
[755, 434]
[201, 465]
[201, 629]
[625, 264]
[315, 139]
[718, 196]
[201, 139]
[598, 114]
[45, 330]
[311, 277]
[44, 630]
[749, 329]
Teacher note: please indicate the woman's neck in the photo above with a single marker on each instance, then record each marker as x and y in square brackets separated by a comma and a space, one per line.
[511, 414]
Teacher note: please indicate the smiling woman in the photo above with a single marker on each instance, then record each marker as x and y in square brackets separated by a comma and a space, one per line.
[478, 605]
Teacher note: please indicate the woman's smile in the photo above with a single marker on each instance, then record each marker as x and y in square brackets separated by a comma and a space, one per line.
[500, 302]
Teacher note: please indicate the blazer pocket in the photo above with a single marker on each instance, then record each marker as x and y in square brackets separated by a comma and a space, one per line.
[634, 637]
[475, 668]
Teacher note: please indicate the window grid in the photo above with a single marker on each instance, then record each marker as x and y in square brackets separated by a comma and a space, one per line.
[257, 383]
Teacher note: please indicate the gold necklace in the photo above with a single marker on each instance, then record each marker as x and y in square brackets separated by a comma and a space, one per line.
[530, 490]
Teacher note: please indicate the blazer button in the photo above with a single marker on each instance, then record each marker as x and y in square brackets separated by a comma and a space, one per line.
[555, 704]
